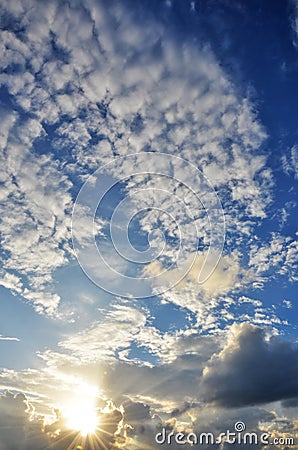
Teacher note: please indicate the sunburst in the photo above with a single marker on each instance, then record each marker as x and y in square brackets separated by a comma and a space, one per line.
[82, 416]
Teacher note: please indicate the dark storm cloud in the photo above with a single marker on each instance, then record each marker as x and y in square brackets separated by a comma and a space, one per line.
[17, 429]
[290, 403]
[251, 370]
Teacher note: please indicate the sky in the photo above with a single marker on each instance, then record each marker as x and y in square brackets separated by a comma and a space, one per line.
[148, 170]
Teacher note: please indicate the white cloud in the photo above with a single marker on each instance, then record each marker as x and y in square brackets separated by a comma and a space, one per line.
[290, 162]
[34, 222]
[280, 253]
[163, 95]
[287, 304]
[103, 340]
[221, 279]
[294, 22]
[7, 338]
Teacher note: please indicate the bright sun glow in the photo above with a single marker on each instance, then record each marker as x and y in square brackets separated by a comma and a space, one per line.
[81, 416]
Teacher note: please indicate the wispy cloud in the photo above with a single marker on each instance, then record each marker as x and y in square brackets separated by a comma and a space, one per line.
[7, 338]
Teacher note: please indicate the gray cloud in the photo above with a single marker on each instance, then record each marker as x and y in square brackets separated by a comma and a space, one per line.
[170, 395]
[18, 429]
[251, 369]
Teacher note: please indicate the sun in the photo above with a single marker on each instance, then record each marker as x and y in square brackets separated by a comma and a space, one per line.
[81, 416]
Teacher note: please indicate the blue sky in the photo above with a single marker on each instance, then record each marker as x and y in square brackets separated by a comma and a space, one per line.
[149, 161]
